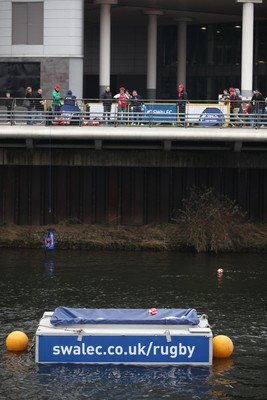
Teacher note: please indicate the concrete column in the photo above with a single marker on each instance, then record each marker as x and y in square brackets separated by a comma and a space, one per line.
[75, 74]
[105, 42]
[181, 50]
[152, 53]
[247, 46]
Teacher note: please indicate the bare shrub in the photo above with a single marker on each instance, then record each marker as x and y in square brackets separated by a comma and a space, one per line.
[214, 223]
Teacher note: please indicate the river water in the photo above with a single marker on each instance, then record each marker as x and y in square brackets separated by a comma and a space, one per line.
[235, 302]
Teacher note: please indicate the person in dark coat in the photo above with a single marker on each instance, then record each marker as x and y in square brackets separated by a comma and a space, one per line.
[106, 97]
[29, 104]
[70, 99]
[136, 107]
[39, 106]
[258, 103]
[9, 103]
[181, 105]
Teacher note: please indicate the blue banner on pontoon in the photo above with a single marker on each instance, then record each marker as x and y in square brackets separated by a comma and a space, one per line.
[161, 316]
[136, 349]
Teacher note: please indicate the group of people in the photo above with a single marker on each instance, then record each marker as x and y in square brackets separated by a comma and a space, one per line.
[125, 102]
[35, 104]
[129, 106]
[35, 101]
[247, 113]
[134, 103]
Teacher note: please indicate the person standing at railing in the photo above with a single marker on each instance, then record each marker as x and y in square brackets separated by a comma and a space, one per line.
[70, 99]
[128, 105]
[106, 97]
[39, 106]
[122, 107]
[29, 103]
[224, 99]
[249, 114]
[258, 102]
[9, 103]
[234, 108]
[239, 102]
[181, 105]
[136, 108]
[56, 101]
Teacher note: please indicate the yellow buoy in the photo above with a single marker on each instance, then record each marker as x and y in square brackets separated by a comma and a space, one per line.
[17, 341]
[222, 346]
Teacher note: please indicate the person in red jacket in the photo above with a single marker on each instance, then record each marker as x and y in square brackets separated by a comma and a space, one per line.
[234, 108]
[122, 108]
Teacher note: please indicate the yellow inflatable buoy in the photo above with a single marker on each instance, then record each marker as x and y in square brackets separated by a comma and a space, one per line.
[222, 346]
[17, 341]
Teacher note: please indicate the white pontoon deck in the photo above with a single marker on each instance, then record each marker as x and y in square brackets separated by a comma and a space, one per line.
[124, 336]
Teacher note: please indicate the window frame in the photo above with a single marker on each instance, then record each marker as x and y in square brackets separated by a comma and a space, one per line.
[27, 23]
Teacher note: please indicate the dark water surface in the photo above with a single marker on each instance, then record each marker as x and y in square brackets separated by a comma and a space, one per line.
[235, 303]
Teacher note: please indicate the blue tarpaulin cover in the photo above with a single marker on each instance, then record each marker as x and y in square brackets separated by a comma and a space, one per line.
[162, 316]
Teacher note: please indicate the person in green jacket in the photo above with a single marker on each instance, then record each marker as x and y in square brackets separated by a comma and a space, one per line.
[56, 100]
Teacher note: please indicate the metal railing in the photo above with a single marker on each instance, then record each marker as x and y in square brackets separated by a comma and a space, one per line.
[90, 112]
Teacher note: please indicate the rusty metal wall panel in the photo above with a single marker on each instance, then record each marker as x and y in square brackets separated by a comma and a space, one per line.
[151, 196]
[48, 194]
[59, 203]
[119, 195]
[138, 209]
[88, 195]
[215, 179]
[23, 195]
[227, 182]
[74, 194]
[126, 195]
[261, 184]
[164, 205]
[9, 194]
[100, 195]
[255, 193]
[242, 186]
[264, 196]
[2, 218]
[35, 196]
[133, 202]
[113, 195]
[178, 187]
[158, 197]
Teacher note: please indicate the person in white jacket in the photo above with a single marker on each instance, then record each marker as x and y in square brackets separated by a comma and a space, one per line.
[123, 103]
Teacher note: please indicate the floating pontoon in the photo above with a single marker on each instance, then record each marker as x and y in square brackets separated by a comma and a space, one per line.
[124, 336]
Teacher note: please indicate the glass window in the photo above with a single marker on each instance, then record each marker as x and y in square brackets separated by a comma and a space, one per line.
[260, 43]
[16, 76]
[27, 23]
[227, 44]
[168, 39]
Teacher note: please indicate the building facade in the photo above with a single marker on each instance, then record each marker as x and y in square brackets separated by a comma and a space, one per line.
[151, 46]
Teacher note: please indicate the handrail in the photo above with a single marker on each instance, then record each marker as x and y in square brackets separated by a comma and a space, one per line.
[90, 112]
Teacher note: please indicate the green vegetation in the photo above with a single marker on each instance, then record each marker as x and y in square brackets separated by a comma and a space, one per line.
[216, 223]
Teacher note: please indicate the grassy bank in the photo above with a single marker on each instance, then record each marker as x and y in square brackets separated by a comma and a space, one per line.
[108, 237]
